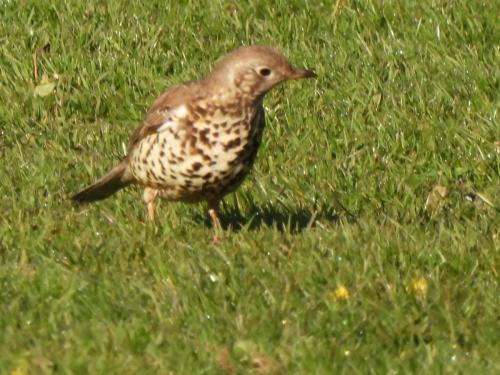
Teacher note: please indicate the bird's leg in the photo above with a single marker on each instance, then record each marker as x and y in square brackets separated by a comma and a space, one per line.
[213, 212]
[151, 211]
[149, 198]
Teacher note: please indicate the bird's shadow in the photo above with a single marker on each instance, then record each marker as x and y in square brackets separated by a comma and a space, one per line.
[293, 220]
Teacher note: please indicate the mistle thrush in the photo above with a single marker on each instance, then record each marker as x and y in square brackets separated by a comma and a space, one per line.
[199, 140]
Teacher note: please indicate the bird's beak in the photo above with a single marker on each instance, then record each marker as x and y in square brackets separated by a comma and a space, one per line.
[297, 73]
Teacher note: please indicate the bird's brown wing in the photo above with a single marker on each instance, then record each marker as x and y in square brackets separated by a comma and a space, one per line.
[161, 110]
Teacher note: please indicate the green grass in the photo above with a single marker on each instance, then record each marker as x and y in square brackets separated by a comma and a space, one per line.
[407, 99]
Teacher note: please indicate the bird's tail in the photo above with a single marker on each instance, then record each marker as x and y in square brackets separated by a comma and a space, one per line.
[107, 185]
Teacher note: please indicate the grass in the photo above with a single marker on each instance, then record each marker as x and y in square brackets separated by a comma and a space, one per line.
[332, 261]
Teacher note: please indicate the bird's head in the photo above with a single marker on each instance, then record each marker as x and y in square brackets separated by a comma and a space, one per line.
[254, 70]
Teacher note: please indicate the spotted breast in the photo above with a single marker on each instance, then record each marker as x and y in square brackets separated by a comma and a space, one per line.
[200, 150]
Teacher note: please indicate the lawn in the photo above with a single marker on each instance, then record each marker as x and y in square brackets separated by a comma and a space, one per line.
[366, 240]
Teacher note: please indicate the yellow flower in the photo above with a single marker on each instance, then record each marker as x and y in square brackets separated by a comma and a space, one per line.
[419, 287]
[18, 371]
[341, 293]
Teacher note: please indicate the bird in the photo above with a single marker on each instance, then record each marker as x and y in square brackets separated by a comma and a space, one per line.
[199, 140]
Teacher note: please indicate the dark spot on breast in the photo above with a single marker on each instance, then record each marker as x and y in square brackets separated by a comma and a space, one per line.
[207, 175]
[232, 144]
[216, 134]
[201, 111]
[192, 141]
[162, 153]
[203, 136]
[196, 166]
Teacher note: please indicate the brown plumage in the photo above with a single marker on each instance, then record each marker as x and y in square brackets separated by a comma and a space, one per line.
[199, 140]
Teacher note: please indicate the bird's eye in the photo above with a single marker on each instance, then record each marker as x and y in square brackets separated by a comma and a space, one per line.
[265, 72]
